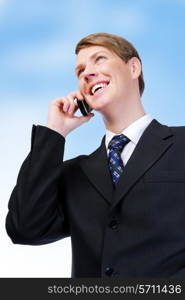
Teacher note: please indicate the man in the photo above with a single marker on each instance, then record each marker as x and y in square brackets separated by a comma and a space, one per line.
[123, 205]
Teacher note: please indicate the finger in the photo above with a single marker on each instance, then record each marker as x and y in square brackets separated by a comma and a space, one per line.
[76, 94]
[66, 105]
[73, 106]
[85, 118]
[59, 102]
[76, 107]
[80, 96]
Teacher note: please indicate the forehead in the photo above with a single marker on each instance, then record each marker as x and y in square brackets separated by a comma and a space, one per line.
[87, 53]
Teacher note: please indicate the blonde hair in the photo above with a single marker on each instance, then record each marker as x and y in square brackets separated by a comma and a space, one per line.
[120, 46]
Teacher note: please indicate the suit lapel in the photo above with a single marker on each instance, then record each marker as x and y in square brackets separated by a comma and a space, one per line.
[155, 140]
[95, 166]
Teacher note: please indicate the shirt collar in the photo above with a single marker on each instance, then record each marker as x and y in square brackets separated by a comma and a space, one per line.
[133, 131]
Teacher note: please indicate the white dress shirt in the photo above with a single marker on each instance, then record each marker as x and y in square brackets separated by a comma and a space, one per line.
[134, 131]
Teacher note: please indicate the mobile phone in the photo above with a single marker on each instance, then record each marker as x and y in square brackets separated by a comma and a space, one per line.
[84, 107]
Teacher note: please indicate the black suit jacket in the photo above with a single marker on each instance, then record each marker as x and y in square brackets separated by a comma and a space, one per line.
[134, 230]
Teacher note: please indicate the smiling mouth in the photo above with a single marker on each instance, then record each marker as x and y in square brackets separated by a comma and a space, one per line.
[97, 87]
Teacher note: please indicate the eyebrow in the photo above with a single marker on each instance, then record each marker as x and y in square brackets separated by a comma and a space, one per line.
[91, 57]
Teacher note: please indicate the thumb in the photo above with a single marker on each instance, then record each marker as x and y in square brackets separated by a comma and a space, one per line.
[84, 119]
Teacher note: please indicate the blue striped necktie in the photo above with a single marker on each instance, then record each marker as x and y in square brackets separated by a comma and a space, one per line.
[116, 146]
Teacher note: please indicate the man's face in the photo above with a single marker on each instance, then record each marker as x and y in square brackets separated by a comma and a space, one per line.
[103, 77]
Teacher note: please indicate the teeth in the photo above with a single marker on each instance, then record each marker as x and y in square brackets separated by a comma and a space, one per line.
[97, 86]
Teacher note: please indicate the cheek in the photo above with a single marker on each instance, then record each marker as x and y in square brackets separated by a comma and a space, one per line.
[122, 75]
[116, 71]
[80, 86]
[106, 69]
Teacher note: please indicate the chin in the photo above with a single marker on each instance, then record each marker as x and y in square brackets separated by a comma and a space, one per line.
[100, 107]
[101, 104]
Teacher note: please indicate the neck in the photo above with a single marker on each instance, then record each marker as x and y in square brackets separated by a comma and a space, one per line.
[123, 114]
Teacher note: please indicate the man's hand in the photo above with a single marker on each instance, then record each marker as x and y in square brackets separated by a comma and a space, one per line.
[61, 116]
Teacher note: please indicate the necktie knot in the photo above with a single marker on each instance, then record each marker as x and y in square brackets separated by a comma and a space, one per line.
[118, 142]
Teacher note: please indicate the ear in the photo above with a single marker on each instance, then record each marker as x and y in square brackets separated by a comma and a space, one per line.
[135, 67]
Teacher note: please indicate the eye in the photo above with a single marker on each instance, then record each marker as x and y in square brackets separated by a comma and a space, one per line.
[79, 72]
[99, 58]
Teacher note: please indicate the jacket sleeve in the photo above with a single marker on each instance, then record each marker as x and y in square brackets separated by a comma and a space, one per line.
[36, 213]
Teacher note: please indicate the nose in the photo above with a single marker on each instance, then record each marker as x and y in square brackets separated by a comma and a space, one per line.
[89, 74]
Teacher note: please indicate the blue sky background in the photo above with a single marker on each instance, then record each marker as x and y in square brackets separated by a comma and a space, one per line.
[37, 65]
